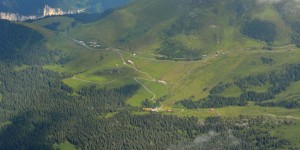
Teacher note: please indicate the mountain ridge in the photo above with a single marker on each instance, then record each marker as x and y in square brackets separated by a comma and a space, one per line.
[48, 11]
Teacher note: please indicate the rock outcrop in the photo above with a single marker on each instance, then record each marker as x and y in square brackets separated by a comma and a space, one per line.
[48, 11]
[15, 17]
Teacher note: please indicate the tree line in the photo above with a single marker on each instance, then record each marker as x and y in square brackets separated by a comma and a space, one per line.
[175, 50]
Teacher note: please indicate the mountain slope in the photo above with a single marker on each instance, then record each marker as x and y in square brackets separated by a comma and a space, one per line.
[232, 38]
[231, 65]
[207, 25]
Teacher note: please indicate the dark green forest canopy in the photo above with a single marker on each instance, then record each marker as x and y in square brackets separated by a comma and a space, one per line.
[175, 50]
[14, 36]
[18, 42]
[22, 45]
[260, 30]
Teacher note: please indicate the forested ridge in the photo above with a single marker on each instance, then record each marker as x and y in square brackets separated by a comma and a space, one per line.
[22, 45]
[15, 37]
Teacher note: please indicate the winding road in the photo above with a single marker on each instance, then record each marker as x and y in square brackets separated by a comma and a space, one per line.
[152, 79]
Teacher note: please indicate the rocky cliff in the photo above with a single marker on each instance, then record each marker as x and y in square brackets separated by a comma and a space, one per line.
[48, 11]
[15, 17]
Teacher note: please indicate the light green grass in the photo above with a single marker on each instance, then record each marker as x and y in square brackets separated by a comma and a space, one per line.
[290, 132]
[1, 97]
[250, 110]
[5, 124]
[291, 93]
[77, 85]
[159, 90]
[139, 97]
[110, 115]
[259, 89]
[20, 68]
[234, 91]
[54, 67]
[64, 146]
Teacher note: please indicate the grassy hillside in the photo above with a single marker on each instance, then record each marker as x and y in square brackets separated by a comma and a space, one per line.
[210, 28]
[203, 25]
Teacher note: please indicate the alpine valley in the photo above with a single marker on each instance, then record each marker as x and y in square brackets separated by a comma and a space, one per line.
[151, 74]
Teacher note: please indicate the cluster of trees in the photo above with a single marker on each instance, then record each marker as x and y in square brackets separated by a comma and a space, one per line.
[278, 81]
[149, 104]
[282, 103]
[175, 50]
[213, 101]
[260, 30]
[267, 60]
[110, 72]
